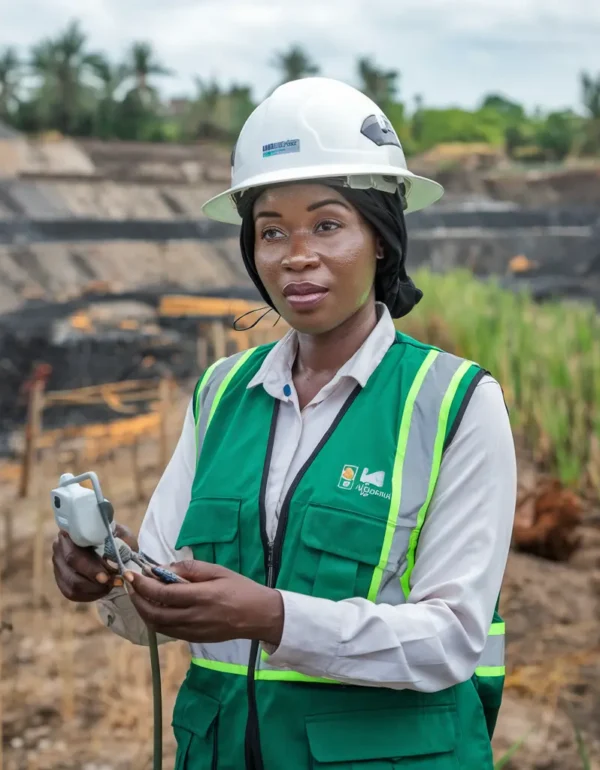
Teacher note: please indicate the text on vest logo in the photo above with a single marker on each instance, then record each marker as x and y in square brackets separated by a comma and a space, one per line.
[371, 482]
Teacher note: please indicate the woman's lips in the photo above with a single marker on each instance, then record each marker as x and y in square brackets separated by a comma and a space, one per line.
[302, 296]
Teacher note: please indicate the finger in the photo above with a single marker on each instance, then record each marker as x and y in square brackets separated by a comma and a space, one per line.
[159, 616]
[111, 567]
[125, 534]
[75, 587]
[197, 571]
[169, 595]
[84, 562]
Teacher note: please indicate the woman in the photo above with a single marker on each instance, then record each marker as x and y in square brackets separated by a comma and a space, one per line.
[341, 502]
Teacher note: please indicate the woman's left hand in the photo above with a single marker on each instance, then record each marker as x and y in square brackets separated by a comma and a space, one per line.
[215, 606]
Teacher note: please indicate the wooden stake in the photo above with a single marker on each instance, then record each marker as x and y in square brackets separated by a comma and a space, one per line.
[1, 677]
[164, 390]
[33, 429]
[137, 471]
[9, 540]
[68, 668]
[201, 348]
[219, 340]
[39, 558]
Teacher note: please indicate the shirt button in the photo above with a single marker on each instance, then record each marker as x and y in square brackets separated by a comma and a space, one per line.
[287, 391]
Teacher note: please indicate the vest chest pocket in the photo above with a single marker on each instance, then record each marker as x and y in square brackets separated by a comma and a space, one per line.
[211, 529]
[341, 550]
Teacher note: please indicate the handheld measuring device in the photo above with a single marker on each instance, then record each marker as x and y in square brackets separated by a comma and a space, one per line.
[88, 518]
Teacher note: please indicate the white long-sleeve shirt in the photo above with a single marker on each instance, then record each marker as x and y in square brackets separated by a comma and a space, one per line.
[436, 638]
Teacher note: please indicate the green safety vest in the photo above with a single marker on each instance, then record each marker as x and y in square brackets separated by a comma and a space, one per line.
[338, 537]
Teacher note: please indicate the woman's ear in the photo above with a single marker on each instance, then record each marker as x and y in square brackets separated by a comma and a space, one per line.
[379, 253]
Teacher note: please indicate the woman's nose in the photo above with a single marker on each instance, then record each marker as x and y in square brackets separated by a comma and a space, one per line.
[300, 255]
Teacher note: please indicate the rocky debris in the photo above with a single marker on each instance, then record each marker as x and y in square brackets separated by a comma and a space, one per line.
[547, 521]
[95, 339]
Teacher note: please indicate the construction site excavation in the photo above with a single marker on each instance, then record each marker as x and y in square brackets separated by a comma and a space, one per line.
[116, 294]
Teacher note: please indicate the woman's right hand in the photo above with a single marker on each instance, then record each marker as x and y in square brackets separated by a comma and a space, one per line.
[80, 574]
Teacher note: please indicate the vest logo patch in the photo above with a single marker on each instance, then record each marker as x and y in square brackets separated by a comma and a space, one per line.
[348, 476]
[370, 482]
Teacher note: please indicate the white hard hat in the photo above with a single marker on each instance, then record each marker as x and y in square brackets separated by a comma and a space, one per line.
[316, 128]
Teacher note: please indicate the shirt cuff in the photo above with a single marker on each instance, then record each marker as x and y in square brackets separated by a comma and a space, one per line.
[311, 634]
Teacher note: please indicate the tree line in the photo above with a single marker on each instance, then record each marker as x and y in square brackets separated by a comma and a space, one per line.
[62, 85]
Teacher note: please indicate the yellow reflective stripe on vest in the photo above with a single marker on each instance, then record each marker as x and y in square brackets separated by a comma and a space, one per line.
[490, 670]
[497, 629]
[492, 663]
[397, 473]
[205, 378]
[264, 674]
[225, 368]
[224, 385]
[434, 472]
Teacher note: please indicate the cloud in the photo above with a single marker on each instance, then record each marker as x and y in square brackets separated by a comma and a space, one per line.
[451, 51]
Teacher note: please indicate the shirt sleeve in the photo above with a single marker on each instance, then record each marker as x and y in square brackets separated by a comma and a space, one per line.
[436, 639]
[158, 533]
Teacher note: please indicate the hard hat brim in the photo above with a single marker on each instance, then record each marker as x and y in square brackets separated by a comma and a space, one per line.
[421, 192]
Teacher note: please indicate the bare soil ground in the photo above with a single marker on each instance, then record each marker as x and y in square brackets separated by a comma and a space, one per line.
[75, 697]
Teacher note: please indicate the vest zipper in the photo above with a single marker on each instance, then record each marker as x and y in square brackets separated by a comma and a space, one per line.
[253, 753]
[270, 549]
[272, 553]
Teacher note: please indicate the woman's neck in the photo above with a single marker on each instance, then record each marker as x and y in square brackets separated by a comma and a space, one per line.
[325, 353]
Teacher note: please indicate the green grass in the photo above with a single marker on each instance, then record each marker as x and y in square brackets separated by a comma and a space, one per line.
[545, 356]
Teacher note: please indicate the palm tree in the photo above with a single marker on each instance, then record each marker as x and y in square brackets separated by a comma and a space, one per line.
[590, 88]
[64, 66]
[417, 119]
[142, 65]
[294, 64]
[111, 77]
[203, 115]
[379, 85]
[10, 76]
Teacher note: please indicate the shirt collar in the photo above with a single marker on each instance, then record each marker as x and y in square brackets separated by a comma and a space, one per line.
[276, 370]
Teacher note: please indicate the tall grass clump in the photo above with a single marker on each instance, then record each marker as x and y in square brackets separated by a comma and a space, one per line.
[545, 356]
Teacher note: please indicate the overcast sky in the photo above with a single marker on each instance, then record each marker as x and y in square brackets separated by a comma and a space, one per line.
[451, 51]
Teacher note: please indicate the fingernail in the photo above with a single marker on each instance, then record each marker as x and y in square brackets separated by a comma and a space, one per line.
[118, 582]
[102, 577]
[129, 576]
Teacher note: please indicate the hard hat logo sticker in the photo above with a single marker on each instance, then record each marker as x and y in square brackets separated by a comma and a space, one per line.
[281, 148]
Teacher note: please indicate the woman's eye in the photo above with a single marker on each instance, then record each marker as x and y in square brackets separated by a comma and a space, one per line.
[327, 226]
[271, 234]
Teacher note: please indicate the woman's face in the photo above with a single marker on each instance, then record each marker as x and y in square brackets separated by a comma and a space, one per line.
[315, 255]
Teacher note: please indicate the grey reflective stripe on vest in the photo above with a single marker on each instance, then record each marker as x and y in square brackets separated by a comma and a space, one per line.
[419, 471]
[493, 652]
[491, 662]
[207, 391]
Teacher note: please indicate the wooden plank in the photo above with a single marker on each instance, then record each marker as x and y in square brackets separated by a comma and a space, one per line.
[204, 307]
[106, 397]
[165, 410]
[201, 349]
[33, 429]
[125, 385]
